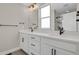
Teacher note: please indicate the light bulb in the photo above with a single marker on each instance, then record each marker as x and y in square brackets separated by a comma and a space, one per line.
[35, 7]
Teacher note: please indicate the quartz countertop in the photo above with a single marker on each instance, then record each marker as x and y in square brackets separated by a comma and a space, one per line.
[66, 36]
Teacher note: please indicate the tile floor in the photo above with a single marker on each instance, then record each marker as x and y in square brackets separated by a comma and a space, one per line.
[19, 52]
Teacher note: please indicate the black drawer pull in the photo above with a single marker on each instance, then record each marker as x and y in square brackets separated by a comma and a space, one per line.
[32, 44]
[22, 39]
[32, 53]
[32, 37]
[54, 52]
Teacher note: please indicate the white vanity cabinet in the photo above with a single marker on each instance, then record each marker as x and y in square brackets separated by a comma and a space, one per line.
[50, 50]
[52, 47]
[34, 45]
[42, 44]
[58, 51]
[24, 42]
[46, 49]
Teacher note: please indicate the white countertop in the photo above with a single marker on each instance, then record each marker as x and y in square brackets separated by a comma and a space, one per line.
[66, 36]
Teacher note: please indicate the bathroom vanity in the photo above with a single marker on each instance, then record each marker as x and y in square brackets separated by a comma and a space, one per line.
[38, 43]
[52, 43]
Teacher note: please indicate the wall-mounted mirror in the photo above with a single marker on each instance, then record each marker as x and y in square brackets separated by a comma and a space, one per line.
[65, 16]
[61, 15]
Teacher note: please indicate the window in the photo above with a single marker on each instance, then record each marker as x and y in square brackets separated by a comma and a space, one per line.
[45, 17]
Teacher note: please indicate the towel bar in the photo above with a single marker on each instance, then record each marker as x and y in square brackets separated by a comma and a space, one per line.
[8, 25]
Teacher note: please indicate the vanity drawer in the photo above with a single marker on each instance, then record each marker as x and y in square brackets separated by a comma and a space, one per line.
[33, 37]
[60, 44]
[33, 44]
[33, 52]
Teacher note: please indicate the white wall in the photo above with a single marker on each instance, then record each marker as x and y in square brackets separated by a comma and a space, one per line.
[10, 14]
[69, 21]
[52, 18]
[14, 14]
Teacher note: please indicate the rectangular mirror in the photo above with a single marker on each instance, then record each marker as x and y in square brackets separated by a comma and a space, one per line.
[66, 16]
[57, 15]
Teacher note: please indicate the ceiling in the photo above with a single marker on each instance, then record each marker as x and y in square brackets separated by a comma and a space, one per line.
[28, 4]
[60, 8]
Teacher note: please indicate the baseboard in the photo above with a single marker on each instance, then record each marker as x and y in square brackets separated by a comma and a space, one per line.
[9, 51]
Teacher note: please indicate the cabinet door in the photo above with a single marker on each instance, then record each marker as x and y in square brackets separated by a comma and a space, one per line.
[34, 44]
[24, 42]
[46, 49]
[21, 40]
[78, 26]
[62, 52]
[33, 52]
[50, 50]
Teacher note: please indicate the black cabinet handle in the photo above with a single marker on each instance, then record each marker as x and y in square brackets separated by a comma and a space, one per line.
[54, 51]
[22, 39]
[33, 37]
[32, 53]
[32, 44]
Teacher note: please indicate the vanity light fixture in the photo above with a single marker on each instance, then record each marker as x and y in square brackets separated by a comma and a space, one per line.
[33, 7]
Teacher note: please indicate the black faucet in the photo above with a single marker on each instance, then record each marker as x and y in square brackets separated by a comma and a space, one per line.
[31, 29]
[61, 30]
